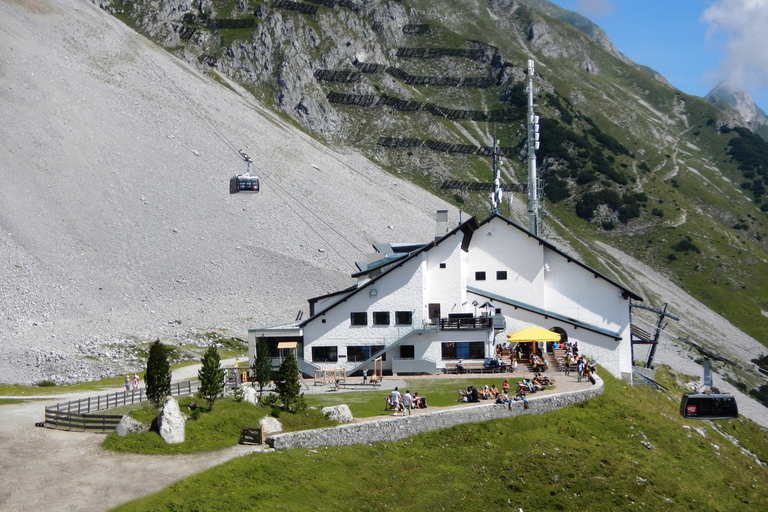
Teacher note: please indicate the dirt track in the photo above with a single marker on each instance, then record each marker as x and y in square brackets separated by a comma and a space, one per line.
[45, 469]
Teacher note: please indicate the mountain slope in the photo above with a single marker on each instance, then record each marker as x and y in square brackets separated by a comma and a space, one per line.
[117, 222]
[422, 87]
[118, 227]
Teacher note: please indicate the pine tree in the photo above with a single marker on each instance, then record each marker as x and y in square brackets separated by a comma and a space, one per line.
[288, 385]
[211, 378]
[157, 378]
[263, 364]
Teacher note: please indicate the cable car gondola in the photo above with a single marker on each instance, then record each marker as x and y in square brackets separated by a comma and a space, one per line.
[244, 182]
[708, 407]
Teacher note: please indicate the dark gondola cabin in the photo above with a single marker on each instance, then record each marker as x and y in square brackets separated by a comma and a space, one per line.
[243, 183]
[708, 407]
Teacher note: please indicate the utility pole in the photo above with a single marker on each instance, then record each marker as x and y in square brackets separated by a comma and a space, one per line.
[533, 145]
[641, 337]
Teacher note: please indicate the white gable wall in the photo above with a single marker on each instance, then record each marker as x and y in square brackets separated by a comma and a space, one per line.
[498, 246]
[445, 285]
[399, 290]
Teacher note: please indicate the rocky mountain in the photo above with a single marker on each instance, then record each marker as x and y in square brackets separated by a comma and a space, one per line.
[749, 114]
[118, 227]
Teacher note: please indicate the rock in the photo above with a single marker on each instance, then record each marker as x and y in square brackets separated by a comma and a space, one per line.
[170, 422]
[249, 395]
[129, 425]
[340, 413]
[271, 425]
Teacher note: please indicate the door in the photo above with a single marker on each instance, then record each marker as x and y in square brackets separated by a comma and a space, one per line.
[434, 313]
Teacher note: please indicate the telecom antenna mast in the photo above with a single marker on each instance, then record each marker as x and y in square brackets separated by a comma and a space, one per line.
[496, 194]
[533, 145]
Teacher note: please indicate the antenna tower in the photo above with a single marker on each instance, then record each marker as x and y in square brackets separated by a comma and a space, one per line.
[496, 194]
[533, 144]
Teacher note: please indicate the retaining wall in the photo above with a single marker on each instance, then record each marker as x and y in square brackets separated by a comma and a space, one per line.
[400, 427]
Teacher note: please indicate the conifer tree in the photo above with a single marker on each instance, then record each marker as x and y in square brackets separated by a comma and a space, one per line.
[211, 378]
[157, 378]
[288, 385]
[263, 364]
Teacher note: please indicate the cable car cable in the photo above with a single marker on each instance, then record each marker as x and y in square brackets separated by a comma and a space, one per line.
[198, 112]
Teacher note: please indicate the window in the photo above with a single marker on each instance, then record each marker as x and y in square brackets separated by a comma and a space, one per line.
[403, 318]
[325, 354]
[358, 318]
[479, 276]
[501, 275]
[407, 352]
[442, 265]
[464, 350]
[361, 353]
[381, 318]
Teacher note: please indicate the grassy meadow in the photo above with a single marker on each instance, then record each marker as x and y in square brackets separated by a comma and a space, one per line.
[584, 457]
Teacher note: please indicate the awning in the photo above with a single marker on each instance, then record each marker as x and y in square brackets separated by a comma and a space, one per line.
[533, 334]
[288, 344]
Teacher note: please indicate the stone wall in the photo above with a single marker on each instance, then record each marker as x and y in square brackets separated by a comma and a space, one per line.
[400, 427]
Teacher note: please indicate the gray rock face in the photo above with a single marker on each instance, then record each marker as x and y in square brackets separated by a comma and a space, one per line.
[129, 425]
[171, 423]
[340, 413]
[249, 395]
[271, 425]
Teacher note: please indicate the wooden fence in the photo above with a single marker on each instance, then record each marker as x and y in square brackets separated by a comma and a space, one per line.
[72, 415]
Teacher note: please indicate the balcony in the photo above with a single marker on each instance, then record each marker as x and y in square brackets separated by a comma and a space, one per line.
[462, 323]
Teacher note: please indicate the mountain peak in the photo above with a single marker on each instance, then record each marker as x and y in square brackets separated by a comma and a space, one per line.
[741, 102]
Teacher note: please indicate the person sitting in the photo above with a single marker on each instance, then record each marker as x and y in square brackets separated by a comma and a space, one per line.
[520, 397]
[505, 385]
[494, 391]
[419, 401]
[460, 366]
[389, 403]
[503, 398]
[534, 385]
[472, 395]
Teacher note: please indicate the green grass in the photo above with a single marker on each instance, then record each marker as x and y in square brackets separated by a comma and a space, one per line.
[438, 392]
[24, 390]
[211, 430]
[583, 457]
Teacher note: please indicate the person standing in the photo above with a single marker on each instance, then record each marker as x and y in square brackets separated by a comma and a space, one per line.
[407, 402]
[365, 376]
[127, 383]
[395, 397]
[568, 364]
[580, 369]
[135, 381]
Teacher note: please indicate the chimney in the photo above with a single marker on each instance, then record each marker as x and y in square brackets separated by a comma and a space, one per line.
[441, 226]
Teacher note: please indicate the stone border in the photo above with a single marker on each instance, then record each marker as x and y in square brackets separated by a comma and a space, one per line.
[400, 427]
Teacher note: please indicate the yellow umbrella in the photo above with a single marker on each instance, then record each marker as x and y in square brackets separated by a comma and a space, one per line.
[530, 334]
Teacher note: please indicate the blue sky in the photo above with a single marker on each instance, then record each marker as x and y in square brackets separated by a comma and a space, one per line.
[693, 43]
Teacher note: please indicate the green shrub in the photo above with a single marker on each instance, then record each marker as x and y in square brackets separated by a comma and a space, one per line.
[686, 245]
[46, 384]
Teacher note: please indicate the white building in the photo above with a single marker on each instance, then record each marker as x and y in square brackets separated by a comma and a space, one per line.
[422, 307]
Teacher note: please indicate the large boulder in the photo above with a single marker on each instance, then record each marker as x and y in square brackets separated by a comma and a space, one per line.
[271, 425]
[250, 396]
[170, 422]
[129, 425]
[340, 413]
